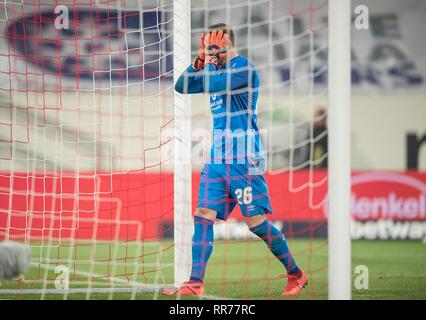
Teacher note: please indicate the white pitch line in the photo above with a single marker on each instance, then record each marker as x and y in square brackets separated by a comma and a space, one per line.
[78, 290]
[87, 274]
[138, 287]
[135, 286]
[98, 290]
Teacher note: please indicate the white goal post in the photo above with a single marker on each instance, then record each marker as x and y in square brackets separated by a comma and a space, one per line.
[339, 169]
[182, 145]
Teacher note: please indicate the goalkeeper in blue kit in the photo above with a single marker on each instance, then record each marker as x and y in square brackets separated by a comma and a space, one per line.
[233, 174]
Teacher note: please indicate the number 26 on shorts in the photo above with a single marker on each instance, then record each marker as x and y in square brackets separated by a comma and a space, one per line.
[244, 196]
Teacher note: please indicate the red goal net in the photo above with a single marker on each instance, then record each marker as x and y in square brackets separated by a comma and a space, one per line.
[86, 144]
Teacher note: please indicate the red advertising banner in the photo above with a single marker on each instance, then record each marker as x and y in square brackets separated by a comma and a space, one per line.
[139, 205]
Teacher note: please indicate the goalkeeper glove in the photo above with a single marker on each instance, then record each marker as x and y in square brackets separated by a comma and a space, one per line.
[199, 61]
[217, 43]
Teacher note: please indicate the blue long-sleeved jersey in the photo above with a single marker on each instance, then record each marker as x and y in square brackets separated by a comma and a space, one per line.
[234, 91]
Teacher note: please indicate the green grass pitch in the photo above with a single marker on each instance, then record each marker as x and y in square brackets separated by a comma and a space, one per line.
[397, 270]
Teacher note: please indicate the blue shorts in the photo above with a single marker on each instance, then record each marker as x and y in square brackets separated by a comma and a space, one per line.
[223, 186]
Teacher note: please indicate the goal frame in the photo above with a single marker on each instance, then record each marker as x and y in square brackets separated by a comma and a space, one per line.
[339, 169]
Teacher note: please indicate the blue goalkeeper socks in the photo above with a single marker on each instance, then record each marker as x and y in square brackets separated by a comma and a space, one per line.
[202, 247]
[276, 242]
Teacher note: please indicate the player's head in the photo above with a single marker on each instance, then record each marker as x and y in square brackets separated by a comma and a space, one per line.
[227, 30]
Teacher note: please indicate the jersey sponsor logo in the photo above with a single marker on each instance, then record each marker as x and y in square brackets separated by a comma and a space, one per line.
[216, 102]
